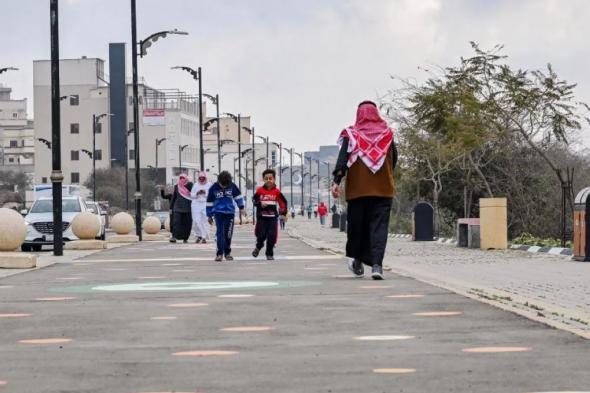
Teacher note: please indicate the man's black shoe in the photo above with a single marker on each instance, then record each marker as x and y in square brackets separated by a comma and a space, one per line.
[256, 252]
[377, 272]
[356, 267]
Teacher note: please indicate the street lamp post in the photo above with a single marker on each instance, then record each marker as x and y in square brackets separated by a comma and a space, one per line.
[180, 150]
[198, 76]
[310, 181]
[14, 68]
[215, 100]
[302, 176]
[318, 181]
[56, 173]
[291, 170]
[328, 182]
[253, 148]
[95, 121]
[238, 119]
[158, 143]
[143, 45]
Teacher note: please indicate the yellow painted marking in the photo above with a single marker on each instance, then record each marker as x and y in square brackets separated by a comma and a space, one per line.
[383, 338]
[188, 305]
[54, 299]
[405, 296]
[43, 341]
[437, 314]
[14, 315]
[162, 318]
[235, 296]
[205, 353]
[394, 370]
[248, 329]
[497, 349]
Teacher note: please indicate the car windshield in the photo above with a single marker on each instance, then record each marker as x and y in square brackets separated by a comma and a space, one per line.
[46, 206]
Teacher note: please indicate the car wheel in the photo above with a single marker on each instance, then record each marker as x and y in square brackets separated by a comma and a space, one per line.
[37, 247]
[25, 248]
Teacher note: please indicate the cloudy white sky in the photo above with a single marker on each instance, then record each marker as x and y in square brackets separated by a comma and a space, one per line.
[299, 67]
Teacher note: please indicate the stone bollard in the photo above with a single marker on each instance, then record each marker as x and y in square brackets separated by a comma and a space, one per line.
[122, 223]
[151, 227]
[13, 231]
[86, 226]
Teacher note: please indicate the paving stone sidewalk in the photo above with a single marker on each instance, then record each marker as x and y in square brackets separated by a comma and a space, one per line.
[551, 289]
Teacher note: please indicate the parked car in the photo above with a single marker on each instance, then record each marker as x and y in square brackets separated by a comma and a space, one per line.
[100, 215]
[39, 221]
[162, 216]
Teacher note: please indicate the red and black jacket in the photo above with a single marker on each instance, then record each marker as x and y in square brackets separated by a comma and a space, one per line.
[275, 202]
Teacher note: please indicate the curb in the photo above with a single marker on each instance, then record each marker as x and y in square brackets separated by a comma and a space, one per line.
[518, 247]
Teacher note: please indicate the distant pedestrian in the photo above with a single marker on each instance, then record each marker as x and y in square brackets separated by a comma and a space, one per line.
[292, 210]
[220, 205]
[309, 211]
[322, 212]
[270, 204]
[367, 157]
[315, 211]
[168, 194]
[199, 193]
[181, 200]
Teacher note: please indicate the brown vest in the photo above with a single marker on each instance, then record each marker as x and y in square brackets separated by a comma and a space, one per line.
[361, 182]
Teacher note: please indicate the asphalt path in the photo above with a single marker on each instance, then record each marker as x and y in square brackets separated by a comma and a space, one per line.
[160, 317]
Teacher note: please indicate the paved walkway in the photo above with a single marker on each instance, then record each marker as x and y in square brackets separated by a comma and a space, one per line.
[157, 317]
[551, 289]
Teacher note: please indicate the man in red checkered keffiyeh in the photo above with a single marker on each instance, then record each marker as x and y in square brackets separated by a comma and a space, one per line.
[369, 138]
[367, 159]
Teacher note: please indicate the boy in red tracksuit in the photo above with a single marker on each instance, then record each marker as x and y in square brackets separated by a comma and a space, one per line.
[270, 204]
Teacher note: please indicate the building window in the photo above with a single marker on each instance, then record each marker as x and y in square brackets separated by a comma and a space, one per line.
[11, 159]
[273, 158]
[98, 128]
[131, 154]
[130, 100]
[13, 143]
[14, 115]
[75, 155]
[74, 128]
[98, 155]
[131, 126]
[44, 180]
[75, 178]
[74, 100]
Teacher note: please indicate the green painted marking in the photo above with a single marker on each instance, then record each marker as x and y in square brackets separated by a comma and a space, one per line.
[171, 286]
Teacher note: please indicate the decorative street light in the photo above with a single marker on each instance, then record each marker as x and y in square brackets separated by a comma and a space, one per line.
[180, 150]
[215, 101]
[143, 45]
[238, 119]
[158, 143]
[129, 132]
[302, 175]
[328, 181]
[8, 68]
[95, 121]
[253, 148]
[198, 76]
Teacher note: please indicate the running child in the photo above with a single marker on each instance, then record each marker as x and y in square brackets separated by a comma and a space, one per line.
[270, 204]
[220, 205]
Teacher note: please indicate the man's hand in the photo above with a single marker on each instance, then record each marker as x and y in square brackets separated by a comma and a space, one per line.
[210, 219]
[285, 217]
[335, 190]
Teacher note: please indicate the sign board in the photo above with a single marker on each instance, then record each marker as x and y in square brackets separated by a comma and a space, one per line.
[154, 117]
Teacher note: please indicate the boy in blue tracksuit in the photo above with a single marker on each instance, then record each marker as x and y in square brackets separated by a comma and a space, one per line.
[220, 205]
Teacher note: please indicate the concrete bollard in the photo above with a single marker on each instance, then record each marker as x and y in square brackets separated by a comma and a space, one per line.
[86, 227]
[13, 231]
[122, 223]
[151, 227]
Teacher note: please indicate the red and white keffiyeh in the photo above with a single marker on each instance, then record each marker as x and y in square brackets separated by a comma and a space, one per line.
[369, 138]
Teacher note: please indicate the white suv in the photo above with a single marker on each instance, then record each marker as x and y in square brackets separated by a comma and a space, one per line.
[100, 214]
[40, 221]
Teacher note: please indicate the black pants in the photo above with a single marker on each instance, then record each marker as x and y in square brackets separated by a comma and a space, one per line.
[183, 223]
[367, 229]
[266, 230]
[172, 222]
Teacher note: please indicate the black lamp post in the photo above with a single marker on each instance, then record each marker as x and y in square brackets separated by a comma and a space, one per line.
[143, 45]
[56, 173]
[291, 170]
[180, 150]
[158, 143]
[198, 76]
[238, 119]
[310, 181]
[253, 148]
[328, 182]
[95, 121]
[215, 100]
[302, 177]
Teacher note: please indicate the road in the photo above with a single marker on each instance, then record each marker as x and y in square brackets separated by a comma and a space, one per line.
[160, 317]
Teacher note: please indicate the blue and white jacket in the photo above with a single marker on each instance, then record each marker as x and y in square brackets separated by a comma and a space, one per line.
[221, 199]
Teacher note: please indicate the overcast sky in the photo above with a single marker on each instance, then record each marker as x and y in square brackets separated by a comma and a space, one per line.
[299, 67]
